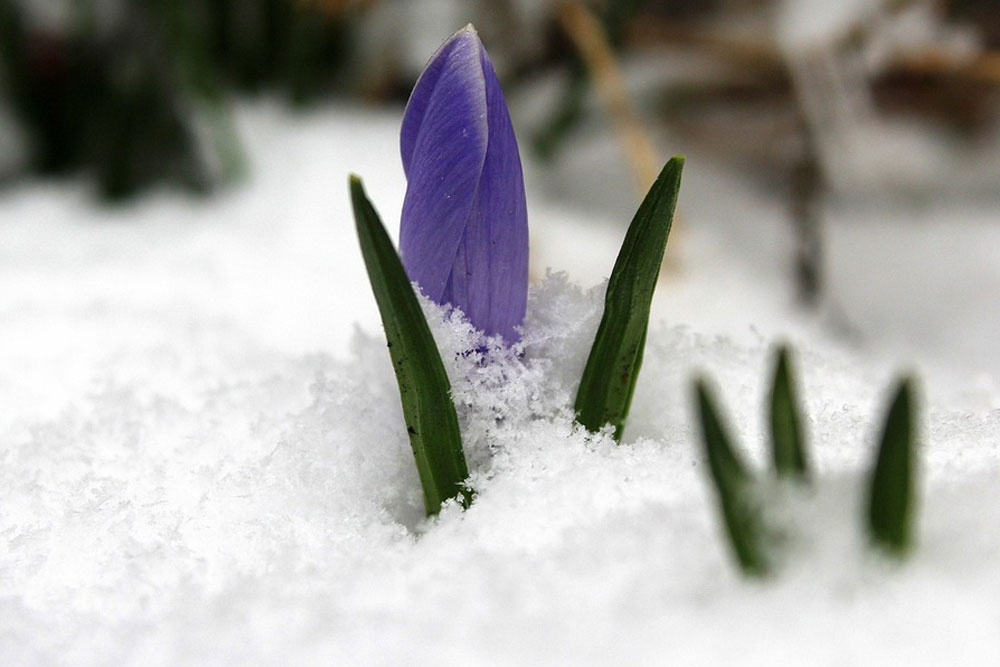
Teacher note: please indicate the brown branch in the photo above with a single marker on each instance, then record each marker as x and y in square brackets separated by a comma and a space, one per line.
[744, 51]
[983, 68]
[590, 40]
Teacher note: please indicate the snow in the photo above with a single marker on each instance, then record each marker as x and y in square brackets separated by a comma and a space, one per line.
[202, 459]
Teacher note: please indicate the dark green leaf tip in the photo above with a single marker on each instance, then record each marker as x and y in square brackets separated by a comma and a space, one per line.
[429, 413]
[733, 485]
[891, 496]
[609, 379]
[788, 447]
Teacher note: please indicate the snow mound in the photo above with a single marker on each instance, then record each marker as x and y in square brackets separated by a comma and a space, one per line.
[214, 501]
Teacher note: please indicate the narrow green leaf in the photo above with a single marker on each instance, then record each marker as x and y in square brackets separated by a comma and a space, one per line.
[424, 389]
[609, 378]
[787, 445]
[890, 508]
[732, 484]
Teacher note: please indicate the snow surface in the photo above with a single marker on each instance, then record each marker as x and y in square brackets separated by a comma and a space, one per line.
[202, 458]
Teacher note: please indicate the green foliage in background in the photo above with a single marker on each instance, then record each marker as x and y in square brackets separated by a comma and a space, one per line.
[891, 494]
[568, 111]
[889, 513]
[140, 98]
[788, 450]
[734, 486]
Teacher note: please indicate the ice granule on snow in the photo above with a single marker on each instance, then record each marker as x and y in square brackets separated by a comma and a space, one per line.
[213, 501]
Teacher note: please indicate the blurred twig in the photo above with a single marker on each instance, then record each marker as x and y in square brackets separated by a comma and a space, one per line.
[746, 51]
[983, 68]
[739, 49]
[614, 19]
[599, 59]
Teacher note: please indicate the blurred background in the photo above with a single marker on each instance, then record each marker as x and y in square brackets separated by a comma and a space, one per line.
[827, 139]
[138, 92]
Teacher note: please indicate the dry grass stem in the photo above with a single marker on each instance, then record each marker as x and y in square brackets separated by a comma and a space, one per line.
[590, 40]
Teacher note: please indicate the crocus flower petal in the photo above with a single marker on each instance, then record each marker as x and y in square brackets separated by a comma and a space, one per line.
[445, 163]
[496, 238]
[420, 99]
[464, 236]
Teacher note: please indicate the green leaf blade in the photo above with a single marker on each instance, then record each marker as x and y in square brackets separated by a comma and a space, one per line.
[609, 378]
[732, 483]
[891, 496]
[424, 389]
[787, 443]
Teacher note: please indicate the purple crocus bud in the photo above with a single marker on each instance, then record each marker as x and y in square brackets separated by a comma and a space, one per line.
[463, 235]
